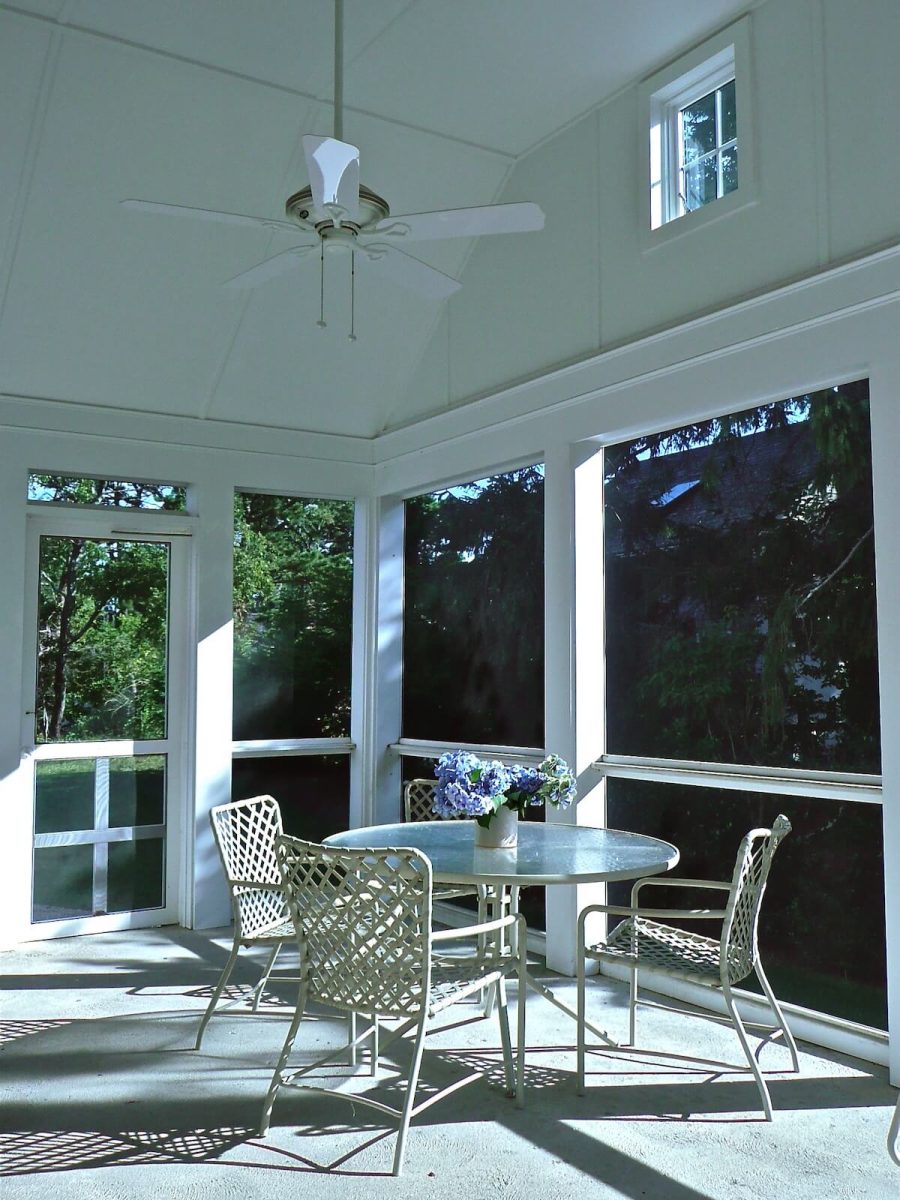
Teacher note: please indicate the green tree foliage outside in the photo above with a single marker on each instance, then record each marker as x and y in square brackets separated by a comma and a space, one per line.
[293, 582]
[102, 620]
[105, 493]
[741, 609]
[473, 648]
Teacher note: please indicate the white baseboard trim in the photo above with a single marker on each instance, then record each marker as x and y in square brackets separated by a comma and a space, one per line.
[820, 1029]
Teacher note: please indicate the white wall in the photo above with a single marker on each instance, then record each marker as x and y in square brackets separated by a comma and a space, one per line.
[862, 100]
[825, 95]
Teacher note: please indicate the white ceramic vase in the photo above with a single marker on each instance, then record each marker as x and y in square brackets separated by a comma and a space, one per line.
[503, 831]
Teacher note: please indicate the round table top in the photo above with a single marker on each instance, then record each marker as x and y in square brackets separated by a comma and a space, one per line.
[545, 853]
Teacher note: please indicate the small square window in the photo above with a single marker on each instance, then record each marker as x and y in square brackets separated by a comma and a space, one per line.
[693, 140]
[707, 149]
[697, 111]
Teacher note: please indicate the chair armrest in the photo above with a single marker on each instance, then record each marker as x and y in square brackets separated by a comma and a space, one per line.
[700, 914]
[678, 881]
[255, 885]
[656, 881]
[618, 910]
[463, 931]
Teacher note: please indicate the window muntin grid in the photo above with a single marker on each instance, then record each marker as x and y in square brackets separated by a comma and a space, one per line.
[707, 150]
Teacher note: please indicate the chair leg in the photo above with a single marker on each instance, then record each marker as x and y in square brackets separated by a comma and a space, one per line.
[514, 909]
[267, 971]
[580, 1016]
[353, 1024]
[220, 987]
[779, 1016]
[503, 1018]
[496, 898]
[484, 994]
[521, 997]
[754, 1067]
[892, 1134]
[410, 1098]
[632, 1006]
[275, 1084]
[374, 1047]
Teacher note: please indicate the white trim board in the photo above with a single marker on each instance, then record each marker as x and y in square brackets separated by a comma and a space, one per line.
[92, 420]
[871, 1045]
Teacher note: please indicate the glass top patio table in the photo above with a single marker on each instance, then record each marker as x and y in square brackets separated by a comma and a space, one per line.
[546, 854]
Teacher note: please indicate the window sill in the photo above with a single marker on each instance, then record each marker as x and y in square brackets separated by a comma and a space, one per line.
[718, 210]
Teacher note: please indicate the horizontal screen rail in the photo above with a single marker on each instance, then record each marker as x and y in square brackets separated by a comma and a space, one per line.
[94, 837]
[419, 748]
[286, 747]
[830, 785]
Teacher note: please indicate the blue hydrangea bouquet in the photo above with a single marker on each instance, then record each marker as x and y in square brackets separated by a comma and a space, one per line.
[474, 787]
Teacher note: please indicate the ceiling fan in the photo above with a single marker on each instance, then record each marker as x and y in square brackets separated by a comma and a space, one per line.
[336, 214]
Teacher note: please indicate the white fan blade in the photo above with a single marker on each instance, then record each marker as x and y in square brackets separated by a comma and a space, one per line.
[262, 272]
[394, 263]
[462, 222]
[333, 173]
[206, 214]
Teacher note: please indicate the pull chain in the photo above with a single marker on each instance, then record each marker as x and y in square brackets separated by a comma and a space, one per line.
[351, 336]
[321, 320]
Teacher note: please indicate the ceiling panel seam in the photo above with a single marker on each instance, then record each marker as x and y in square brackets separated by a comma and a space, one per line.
[310, 97]
[35, 136]
[219, 375]
[404, 386]
[380, 34]
[820, 120]
[604, 101]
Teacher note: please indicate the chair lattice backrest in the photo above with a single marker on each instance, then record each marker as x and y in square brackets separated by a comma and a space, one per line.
[245, 832]
[363, 921]
[751, 870]
[417, 797]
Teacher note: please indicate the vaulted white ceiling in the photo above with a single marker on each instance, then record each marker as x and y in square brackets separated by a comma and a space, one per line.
[203, 103]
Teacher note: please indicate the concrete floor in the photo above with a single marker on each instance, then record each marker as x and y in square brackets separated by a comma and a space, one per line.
[102, 1098]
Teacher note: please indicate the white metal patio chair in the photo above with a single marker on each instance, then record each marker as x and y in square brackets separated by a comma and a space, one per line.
[245, 833]
[644, 941]
[363, 924]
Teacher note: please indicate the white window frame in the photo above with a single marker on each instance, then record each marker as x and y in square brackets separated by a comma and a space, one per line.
[662, 99]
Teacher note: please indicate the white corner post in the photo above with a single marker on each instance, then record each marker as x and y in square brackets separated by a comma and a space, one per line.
[205, 902]
[16, 773]
[884, 407]
[574, 667]
[377, 660]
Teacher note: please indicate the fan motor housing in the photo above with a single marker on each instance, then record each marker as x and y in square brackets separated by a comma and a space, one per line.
[372, 208]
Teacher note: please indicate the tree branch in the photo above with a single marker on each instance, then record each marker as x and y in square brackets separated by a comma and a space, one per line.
[837, 570]
[89, 624]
